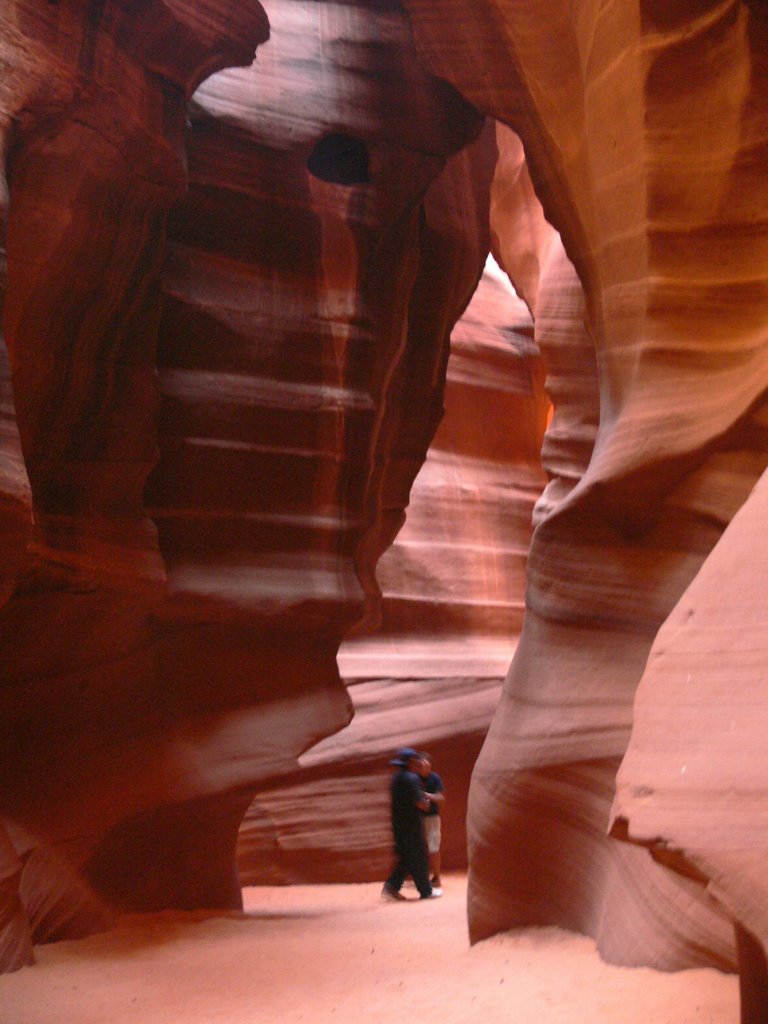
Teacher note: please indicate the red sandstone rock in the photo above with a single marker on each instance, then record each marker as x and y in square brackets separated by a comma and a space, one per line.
[645, 136]
[190, 631]
[302, 359]
[452, 593]
[15, 932]
[457, 569]
[92, 113]
[330, 820]
[692, 783]
[15, 498]
[644, 139]
[524, 237]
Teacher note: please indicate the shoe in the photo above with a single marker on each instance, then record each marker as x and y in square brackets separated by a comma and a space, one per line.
[388, 893]
[434, 895]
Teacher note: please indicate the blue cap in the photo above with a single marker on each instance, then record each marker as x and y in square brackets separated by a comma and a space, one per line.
[403, 756]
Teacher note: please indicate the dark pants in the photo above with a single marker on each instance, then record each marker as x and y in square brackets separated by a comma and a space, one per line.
[412, 859]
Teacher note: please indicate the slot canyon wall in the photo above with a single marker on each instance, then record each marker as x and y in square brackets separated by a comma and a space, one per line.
[216, 416]
[646, 134]
[426, 666]
[94, 104]
[303, 348]
[227, 346]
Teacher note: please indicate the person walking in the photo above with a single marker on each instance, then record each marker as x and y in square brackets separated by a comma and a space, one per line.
[433, 787]
[408, 800]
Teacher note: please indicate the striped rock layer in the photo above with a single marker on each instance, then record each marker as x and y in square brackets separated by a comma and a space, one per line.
[210, 424]
[646, 134]
[92, 112]
[220, 397]
[426, 667]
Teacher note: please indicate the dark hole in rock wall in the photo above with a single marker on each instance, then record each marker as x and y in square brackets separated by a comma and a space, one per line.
[340, 159]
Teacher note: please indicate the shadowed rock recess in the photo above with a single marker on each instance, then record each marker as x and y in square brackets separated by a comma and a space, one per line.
[226, 330]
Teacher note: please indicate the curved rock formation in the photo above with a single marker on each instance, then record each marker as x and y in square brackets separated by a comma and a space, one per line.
[93, 104]
[168, 647]
[452, 595]
[644, 127]
[692, 785]
[315, 270]
[329, 241]
[15, 497]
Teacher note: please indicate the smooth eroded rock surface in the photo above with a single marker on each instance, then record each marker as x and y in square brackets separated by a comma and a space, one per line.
[427, 668]
[645, 132]
[226, 321]
[220, 414]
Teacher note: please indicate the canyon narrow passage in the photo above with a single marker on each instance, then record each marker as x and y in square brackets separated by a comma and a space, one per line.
[338, 954]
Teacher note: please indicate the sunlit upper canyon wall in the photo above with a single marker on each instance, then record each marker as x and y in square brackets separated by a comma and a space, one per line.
[227, 319]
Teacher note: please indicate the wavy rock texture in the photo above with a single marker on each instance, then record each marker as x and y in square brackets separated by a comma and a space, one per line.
[692, 784]
[458, 566]
[93, 109]
[645, 130]
[524, 239]
[185, 628]
[15, 932]
[336, 225]
[15, 496]
[329, 241]
[329, 821]
[451, 610]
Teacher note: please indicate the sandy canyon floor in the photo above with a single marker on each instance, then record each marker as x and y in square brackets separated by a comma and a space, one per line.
[339, 954]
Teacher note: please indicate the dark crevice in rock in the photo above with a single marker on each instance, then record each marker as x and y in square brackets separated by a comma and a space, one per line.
[340, 159]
